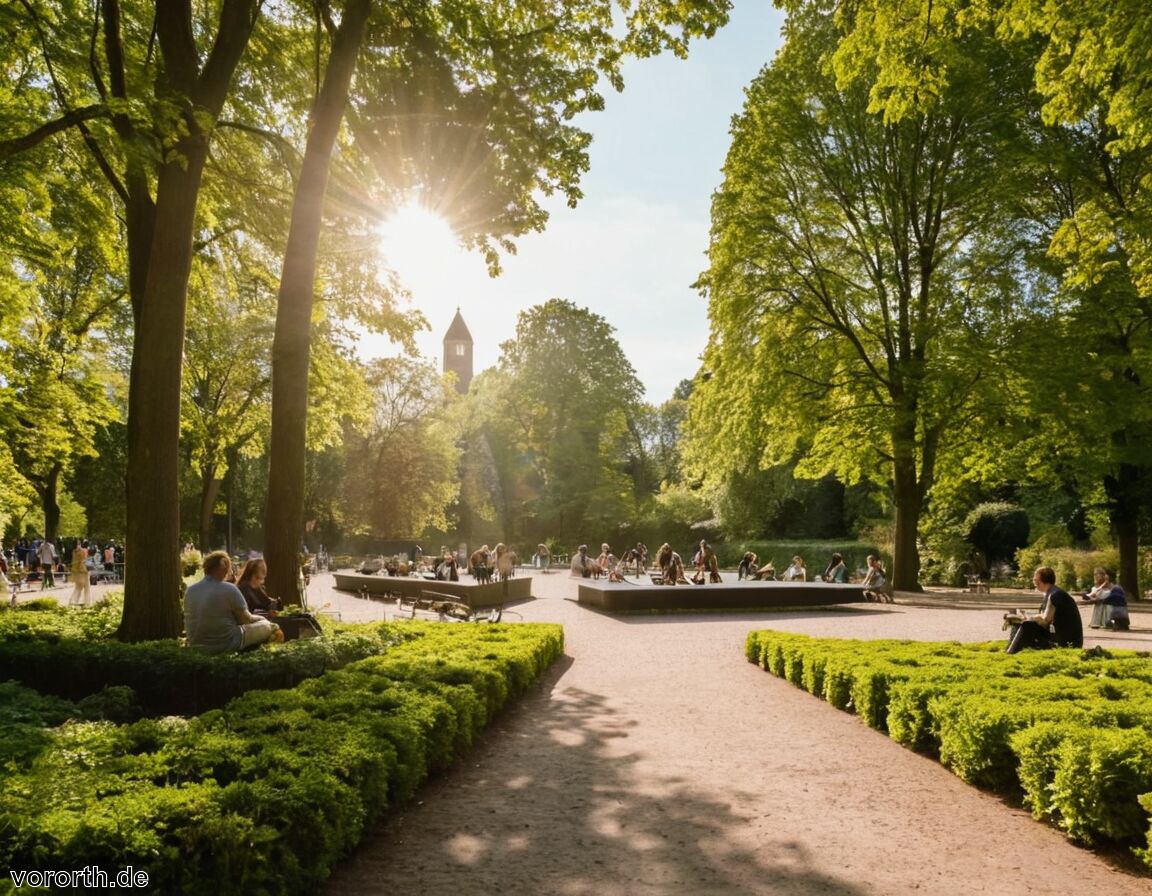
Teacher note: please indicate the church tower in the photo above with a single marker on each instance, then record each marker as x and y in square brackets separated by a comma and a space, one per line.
[458, 352]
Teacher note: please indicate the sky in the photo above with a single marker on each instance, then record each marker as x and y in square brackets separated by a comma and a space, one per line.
[636, 242]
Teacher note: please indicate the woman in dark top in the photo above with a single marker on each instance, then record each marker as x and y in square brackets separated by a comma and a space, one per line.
[251, 585]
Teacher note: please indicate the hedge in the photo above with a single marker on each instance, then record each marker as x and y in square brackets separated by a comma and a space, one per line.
[70, 654]
[265, 794]
[1070, 732]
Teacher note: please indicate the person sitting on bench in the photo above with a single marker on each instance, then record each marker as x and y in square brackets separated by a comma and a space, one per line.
[216, 617]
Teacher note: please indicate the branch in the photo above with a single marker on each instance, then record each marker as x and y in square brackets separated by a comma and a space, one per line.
[70, 119]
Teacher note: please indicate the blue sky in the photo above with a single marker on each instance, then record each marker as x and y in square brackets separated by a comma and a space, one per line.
[636, 242]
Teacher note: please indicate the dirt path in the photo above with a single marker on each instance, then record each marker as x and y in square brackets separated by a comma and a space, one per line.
[655, 760]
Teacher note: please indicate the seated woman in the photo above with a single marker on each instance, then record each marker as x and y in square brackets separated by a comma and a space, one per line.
[251, 585]
[875, 580]
[836, 571]
[747, 567]
[479, 564]
[1112, 605]
[671, 566]
[706, 564]
[505, 562]
[446, 570]
[796, 572]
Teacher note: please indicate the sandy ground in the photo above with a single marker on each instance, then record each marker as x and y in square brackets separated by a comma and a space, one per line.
[654, 760]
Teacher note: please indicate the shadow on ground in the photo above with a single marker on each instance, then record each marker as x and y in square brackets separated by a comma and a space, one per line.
[549, 803]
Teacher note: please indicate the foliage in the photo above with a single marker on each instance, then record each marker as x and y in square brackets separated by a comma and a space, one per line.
[67, 653]
[555, 422]
[849, 256]
[997, 530]
[399, 472]
[1071, 729]
[299, 774]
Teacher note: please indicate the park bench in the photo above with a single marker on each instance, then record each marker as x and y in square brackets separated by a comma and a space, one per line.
[976, 586]
[446, 606]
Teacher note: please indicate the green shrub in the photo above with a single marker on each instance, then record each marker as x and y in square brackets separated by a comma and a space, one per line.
[267, 793]
[1070, 730]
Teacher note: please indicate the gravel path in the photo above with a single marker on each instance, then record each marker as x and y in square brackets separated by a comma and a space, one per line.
[654, 760]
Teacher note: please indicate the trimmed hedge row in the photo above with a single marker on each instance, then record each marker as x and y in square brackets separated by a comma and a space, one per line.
[1069, 730]
[267, 793]
[69, 654]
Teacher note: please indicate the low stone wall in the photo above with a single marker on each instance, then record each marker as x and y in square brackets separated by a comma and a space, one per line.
[476, 596]
[625, 597]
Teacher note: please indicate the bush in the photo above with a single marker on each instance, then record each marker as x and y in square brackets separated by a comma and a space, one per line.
[815, 553]
[997, 530]
[58, 657]
[190, 562]
[266, 794]
[1069, 731]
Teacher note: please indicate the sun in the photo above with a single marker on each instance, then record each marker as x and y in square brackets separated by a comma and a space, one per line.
[420, 246]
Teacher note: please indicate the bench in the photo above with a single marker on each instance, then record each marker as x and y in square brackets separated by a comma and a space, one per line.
[975, 586]
[448, 606]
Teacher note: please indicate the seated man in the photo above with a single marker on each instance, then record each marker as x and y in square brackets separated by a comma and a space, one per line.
[582, 564]
[1058, 622]
[216, 618]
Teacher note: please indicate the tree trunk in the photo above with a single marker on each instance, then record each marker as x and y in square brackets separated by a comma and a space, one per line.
[49, 501]
[152, 580]
[906, 552]
[153, 577]
[209, 492]
[1123, 492]
[291, 346]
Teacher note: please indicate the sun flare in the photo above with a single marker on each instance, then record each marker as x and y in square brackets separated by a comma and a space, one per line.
[421, 248]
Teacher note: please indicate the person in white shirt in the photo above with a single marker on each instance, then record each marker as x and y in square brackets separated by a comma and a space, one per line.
[47, 554]
[796, 572]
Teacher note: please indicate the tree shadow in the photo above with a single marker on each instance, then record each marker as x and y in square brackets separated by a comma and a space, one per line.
[546, 803]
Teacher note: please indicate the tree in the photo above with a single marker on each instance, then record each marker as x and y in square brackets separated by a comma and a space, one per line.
[469, 106]
[400, 471]
[555, 415]
[226, 379]
[860, 271]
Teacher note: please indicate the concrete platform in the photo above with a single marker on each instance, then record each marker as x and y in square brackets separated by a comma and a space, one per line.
[630, 597]
[517, 588]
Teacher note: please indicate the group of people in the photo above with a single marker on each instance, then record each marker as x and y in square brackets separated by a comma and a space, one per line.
[487, 562]
[606, 563]
[222, 616]
[1057, 623]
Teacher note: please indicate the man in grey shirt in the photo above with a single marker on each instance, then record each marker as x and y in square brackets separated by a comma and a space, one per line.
[216, 617]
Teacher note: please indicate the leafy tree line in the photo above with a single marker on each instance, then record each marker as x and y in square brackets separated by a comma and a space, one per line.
[929, 263]
[197, 120]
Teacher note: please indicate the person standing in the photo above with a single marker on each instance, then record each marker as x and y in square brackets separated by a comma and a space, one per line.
[47, 556]
[1058, 622]
[81, 584]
